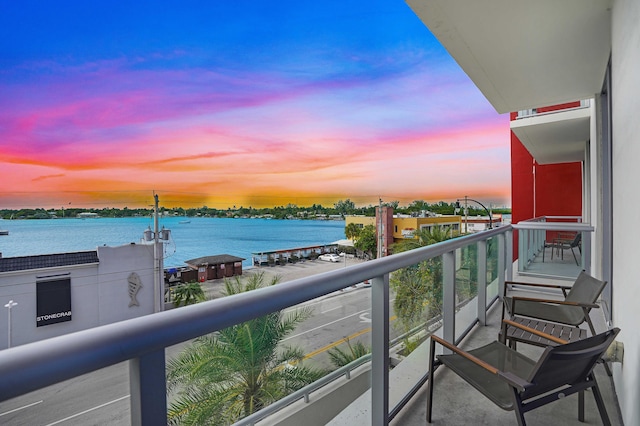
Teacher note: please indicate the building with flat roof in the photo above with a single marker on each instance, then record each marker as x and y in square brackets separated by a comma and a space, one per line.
[62, 293]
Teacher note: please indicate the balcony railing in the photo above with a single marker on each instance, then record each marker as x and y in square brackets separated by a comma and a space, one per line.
[527, 113]
[543, 246]
[142, 341]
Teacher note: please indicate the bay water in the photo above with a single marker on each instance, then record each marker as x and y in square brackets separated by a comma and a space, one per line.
[200, 237]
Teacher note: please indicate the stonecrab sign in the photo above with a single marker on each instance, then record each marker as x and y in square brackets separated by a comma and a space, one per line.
[53, 301]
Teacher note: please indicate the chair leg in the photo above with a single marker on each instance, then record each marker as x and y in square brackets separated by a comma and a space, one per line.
[517, 407]
[432, 353]
[600, 402]
[581, 406]
[574, 257]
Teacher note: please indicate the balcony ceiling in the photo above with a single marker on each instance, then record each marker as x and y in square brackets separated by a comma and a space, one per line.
[558, 137]
[524, 53]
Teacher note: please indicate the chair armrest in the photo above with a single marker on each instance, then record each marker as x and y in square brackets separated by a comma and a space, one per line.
[564, 288]
[517, 382]
[555, 302]
[466, 355]
[513, 380]
[538, 285]
[534, 331]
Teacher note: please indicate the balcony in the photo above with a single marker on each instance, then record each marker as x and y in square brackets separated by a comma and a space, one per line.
[473, 270]
[544, 247]
[555, 134]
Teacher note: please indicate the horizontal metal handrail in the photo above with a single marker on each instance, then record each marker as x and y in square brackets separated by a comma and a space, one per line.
[36, 365]
[553, 226]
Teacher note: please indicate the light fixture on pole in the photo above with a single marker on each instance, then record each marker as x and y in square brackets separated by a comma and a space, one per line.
[9, 305]
[466, 201]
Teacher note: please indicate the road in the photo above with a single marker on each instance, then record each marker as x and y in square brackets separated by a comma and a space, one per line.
[102, 397]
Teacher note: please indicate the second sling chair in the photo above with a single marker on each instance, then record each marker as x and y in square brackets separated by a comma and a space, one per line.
[512, 381]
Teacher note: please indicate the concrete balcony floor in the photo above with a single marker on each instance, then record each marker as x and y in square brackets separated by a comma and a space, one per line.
[456, 402]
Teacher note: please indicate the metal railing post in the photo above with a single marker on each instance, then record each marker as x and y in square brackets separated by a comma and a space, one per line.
[586, 252]
[522, 254]
[380, 350]
[148, 388]
[482, 281]
[501, 263]
[509, 253]
[449, 296]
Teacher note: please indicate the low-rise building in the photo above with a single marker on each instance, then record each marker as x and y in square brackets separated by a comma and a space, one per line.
[56, 294]
[403, 227]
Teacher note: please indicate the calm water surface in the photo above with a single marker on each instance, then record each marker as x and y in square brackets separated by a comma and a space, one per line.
[200, 237]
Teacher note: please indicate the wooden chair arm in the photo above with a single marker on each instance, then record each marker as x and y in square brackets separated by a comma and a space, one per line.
[465, 354]
[513, 380]
[534, 331]
[555, 302]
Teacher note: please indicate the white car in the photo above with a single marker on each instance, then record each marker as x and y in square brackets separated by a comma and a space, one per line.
[330, 257]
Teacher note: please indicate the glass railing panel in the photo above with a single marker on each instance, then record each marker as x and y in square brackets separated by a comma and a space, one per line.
[298, 346]
[466, 282]
[554, 246]
[416, 304]
[99, 397]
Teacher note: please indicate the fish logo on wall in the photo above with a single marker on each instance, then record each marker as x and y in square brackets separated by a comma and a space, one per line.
[135, 284]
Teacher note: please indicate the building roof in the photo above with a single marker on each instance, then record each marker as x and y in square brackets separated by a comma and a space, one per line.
[43, 261]
[214, 260]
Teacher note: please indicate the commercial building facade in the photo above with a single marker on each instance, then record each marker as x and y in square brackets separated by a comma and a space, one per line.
[57, 294]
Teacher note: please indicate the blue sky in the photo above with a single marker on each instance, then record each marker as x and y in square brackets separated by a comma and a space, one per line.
[238, 103]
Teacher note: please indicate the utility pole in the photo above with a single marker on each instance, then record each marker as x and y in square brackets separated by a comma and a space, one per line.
[157, 306]
[380, 229]
[466, 215]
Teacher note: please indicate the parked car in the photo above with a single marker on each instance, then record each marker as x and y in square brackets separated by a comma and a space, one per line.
[330, 257]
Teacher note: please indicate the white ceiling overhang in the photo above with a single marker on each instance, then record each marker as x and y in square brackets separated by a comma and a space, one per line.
[525, 54]
[558, 137]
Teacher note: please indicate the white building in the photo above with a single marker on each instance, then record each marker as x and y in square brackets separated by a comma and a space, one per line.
[62, 293]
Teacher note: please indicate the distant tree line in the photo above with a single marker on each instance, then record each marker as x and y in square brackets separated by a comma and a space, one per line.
[290, 211]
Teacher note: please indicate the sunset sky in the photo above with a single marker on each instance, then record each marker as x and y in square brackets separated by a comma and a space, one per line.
[224, 103]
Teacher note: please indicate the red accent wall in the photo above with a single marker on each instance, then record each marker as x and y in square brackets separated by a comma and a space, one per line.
[558, 187]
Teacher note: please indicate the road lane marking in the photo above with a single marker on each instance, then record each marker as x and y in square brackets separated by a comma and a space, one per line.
[20, 408]
[89, 410]
[332, 309]
[365, 317]
[324, 325]
[336, 343]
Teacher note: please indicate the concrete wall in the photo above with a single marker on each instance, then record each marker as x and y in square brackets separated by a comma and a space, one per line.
[99, 294]
[625, 71]
[324, 403]
[116, 265]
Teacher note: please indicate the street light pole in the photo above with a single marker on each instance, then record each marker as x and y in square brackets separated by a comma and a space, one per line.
[466, 200]
[10, 305]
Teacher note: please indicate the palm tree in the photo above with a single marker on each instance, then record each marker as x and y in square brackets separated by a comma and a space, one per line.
[352, 231]
[228, 375]
[340, 358]
[187, 294]
[419, 286]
